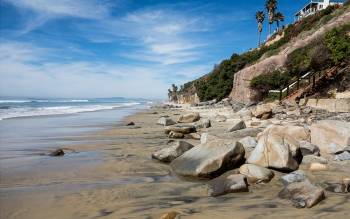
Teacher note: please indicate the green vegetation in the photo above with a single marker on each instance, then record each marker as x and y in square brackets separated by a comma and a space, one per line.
[274, 80]
[218, 83]
[338, 42]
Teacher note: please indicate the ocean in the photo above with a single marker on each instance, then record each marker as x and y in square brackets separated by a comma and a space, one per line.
[29, 127]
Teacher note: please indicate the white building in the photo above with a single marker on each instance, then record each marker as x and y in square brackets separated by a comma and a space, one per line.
[316, 5]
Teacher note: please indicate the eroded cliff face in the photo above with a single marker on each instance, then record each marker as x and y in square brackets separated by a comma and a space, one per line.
[242, 92]
[187, 99]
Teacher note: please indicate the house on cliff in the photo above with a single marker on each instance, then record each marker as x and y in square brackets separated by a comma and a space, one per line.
[315, 5]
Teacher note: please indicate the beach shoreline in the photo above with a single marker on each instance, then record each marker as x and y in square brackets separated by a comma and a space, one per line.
[118, 179]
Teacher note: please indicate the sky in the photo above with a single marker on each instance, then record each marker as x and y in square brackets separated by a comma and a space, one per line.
[120, 48]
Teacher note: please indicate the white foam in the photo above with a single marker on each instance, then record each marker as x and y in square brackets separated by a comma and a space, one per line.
[58, 110]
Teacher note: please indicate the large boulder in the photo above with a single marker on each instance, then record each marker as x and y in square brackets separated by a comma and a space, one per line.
[209, 159]
[330, 135]
[227, 183]
[189, 118]
[184, 129]
[303, 194]
[278, 147]
[263, 110]
[170, 153]
[236, 125]
[256, 174]
[165, 121]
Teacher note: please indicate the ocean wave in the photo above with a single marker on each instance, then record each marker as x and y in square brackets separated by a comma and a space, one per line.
[58, 110]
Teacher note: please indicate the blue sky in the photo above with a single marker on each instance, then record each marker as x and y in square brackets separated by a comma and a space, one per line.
[130, 48]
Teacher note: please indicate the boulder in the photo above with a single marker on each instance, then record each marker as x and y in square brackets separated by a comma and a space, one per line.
[220, 118]
[209, 159]
[170, 153]
[303, 194]
[165, 121]
[256, 174]
[342, 156]
[314, 159]
[203, 123]
[189, 118]
[171, 215]
[318, 167]
[245, 113]
[184, 129]
[206, 137]
[236, 125]
[295, 176]
[195, 136]
[227, 183]
[330, 135]
[176, 135]
[253, 132]
[248, 143]
[278, 148]
[306, 148]
[263, 109]
[57, 153]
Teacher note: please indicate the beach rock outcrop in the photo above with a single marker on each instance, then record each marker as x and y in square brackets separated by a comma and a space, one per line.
[278, 147]
[171, 153]
[295, 176]
[189, 118]
[57, 153]
[256, 174]
[227, 183]
[236, 125]
[330, 135]
[209, 159]
[184, 129]
[303, 194]
[165, 121]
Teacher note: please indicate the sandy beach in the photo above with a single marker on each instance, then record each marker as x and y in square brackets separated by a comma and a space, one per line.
[112, 175]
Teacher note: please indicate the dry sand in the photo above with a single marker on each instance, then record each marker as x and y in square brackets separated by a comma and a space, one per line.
[120, 180]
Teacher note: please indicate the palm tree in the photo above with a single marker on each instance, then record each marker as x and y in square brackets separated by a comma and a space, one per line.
[279, 17]
[260, 17]
[271, 6]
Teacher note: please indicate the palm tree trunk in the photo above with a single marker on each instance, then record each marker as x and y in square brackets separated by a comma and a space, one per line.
[259, 38]
[278, 25]
[269, 30]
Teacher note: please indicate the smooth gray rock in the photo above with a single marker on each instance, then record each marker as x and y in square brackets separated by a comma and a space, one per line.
[307, 148]
[209, 159]
[342, 157]
[189, 118]
[169, 154]
[296, 176]
[184, 129]
[308, 159]
[224, 184]
[303, 194]
[256, 174]
[165, 121]
[236, 125]
[248, 142]
[203, 123]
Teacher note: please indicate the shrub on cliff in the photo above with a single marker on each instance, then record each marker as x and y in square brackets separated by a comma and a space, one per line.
[269, 81]
[338, 41]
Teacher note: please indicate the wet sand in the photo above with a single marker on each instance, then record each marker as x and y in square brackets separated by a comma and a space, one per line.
[112, 175]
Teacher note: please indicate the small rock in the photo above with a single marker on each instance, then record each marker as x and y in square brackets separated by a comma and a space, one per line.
[338, 187]
[203, 123]
[184, 129]
[176, 135]
[171, 215]
[303, 194]
[318, 167]
[130, 124]
[170, 153]
[255, 123]
[342, 157]
[227, 184]
[256, 174]
[237, 125]
[248, 142]
[307, 148]
[296, 176]
[57, 153]
[189, 118]
[266, 116]
[194, 136]
[263, 110]
[165, 121]
[314, 159]
[220, 118]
